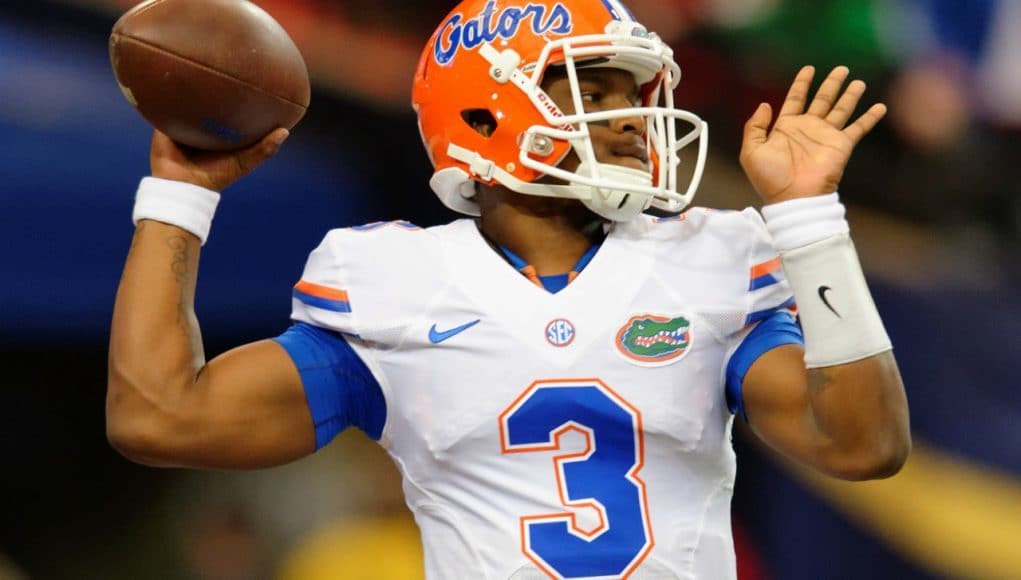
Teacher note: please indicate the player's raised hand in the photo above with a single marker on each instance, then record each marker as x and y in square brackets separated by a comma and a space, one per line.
[215, 170]
[806, 151]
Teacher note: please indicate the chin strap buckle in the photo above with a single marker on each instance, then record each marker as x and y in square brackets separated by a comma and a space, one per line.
[477, 164]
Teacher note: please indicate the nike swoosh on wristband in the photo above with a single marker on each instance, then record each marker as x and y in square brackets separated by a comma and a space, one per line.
[822, 294]
[437, 337]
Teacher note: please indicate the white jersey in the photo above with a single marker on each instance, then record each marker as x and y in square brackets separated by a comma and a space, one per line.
[582, 434]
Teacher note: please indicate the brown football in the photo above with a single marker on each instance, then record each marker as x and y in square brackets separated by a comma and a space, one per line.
[211, 74]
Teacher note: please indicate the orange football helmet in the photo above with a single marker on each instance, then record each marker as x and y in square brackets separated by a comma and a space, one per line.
[489, 57]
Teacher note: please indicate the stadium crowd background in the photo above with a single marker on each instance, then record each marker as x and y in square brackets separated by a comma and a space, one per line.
[934, 208]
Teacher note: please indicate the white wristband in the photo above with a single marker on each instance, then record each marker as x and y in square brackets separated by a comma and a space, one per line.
[799, 222]
[180, 204]
[839, 318]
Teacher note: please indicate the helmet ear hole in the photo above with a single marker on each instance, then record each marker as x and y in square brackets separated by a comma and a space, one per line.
[480, 120]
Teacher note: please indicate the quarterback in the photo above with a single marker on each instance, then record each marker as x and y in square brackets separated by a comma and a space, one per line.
[556, 375]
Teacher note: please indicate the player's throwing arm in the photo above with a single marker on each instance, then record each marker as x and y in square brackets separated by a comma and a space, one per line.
[843, 409]
[166, 405]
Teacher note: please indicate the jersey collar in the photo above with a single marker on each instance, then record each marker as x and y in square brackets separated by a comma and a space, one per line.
[553, 283]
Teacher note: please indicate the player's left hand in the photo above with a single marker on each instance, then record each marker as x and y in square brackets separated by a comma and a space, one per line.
[806, 152]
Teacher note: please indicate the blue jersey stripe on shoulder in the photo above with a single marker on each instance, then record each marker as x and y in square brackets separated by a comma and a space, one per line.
[340, 390]
[758, 315]
[762, 282]
[402, 224]
[323, 303]
[369, 226]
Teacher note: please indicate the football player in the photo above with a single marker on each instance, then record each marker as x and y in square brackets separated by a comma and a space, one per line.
[556, 375]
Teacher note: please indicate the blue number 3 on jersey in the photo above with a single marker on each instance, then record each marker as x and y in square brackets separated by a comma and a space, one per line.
[603, 477]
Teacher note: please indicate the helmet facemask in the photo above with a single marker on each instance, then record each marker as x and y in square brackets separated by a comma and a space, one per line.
[614, 192]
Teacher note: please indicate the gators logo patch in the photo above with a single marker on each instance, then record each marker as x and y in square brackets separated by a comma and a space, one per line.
[650, 340]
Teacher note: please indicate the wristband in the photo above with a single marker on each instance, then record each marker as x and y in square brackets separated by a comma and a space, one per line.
[839, 318]
[799, 222]
[177, 203]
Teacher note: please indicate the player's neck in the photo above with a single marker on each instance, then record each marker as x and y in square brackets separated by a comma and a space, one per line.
[548, 233]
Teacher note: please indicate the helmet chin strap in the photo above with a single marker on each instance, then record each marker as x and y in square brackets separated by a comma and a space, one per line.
[612, 203]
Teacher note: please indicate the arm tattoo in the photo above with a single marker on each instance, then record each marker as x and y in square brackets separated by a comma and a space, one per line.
[179, 266]
[819, 380]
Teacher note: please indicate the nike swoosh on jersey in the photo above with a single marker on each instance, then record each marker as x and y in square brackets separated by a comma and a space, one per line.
[437, 337]
[822, 294]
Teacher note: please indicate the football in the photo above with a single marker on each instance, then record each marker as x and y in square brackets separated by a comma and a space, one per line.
[211, 74]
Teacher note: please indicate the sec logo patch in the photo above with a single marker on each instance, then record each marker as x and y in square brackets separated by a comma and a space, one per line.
[652, 340]
[560, 332]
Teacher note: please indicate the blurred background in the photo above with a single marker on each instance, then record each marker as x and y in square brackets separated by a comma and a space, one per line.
[933, 200]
